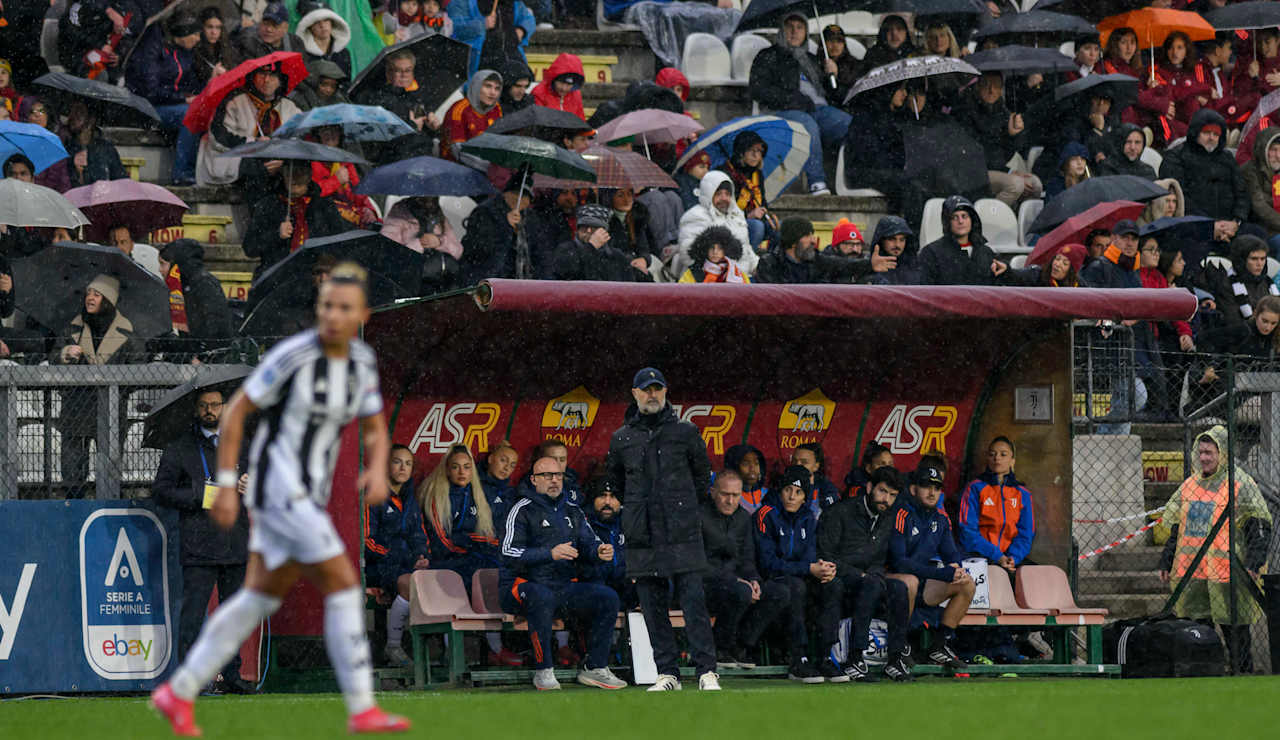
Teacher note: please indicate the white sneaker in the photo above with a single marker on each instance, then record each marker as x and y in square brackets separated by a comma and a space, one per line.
[709, 681]
[601, 678]
[397, 657]
[665, 682]
[545, 680]
[819, 188]
[544, 26]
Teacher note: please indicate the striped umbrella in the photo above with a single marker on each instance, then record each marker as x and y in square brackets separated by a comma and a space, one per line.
[615, 168]
[788, 144]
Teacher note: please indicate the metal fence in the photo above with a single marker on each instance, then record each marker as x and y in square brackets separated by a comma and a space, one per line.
[1164, 523]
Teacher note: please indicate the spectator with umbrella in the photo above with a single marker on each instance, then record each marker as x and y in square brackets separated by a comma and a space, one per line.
[251, 112]
[163, 70]
[548, 224]
[1260, 74]
[214, 54]
[51, 168]
[401, 94]
[93, 157]
[744, 169]
[1002, 134]
[99, 335]
[29, 211]
[840, 62]
[874, 149]
[474, 114]
[197, 303]
[786, 80]
[297, 212]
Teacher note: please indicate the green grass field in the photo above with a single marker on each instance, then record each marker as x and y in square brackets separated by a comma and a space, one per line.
[1031, 709]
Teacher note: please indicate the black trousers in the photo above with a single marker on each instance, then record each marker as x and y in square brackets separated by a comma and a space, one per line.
[655, 602]
[782, 597]
[858, 597]
[197, 586]
[727, 601]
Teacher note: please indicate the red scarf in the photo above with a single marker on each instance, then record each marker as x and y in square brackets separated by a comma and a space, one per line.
[405, 20]
[177, 301]
[298, 215]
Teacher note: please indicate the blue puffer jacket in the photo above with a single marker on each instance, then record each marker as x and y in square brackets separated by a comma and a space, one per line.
[463, 537]
[535, 525]
[468, 27]
[786, 544]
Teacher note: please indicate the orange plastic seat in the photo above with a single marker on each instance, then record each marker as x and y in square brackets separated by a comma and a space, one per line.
[1046, 587]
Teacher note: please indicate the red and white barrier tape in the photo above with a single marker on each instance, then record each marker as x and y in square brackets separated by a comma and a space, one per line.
[1121, 541]
[1118, 519]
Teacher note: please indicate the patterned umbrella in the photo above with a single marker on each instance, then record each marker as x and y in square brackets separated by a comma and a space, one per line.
[201, 110]
[28, 204]
[913, 68]
[615, 168]
[358, 122]
[653, 126]
[788, 144]
[37, 143]
[141, 206]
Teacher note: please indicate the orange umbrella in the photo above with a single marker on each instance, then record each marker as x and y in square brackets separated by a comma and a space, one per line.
[1153, 25]
[201, 110]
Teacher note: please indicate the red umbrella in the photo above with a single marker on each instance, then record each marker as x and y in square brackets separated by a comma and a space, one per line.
[141, 206]
[200, 112]
[1075, 229]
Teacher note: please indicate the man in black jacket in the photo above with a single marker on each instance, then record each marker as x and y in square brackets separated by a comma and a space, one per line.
[854, 534]
[961, 256]
[1210, 178]
[490, 247]
[284, 220]
[545, 541]
[732, 584]
[659, 464]
[589, 255]
[210, 555]
[203, 302]
[1002, 134]
[796, 259]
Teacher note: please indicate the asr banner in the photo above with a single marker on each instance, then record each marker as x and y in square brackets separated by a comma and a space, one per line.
[88, 595]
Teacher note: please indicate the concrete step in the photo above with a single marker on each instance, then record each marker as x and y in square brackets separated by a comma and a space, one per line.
[1130, 558]
[635, 60]
[1125, 606]
[1111, 582]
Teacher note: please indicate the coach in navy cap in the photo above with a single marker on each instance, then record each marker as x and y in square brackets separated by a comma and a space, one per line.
[1118, 265]
[659, 464]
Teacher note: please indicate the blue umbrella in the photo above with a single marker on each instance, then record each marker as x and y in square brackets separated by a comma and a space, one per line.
[424, 176]
[788, 144]
[358, 122]
[37, 143]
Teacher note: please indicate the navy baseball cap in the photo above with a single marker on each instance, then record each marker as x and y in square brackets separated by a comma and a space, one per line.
[276, 13]
[1125, 226]
[647, 377]
[928, 475]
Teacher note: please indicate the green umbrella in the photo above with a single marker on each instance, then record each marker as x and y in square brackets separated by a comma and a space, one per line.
[531, 155]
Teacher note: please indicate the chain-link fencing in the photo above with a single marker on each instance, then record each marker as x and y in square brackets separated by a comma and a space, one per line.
[1176, 470]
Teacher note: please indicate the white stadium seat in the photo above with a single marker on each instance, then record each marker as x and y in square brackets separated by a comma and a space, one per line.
[743, 53]
[843, 189]
[1153, 158]
[1027, 212]
[999, 224]
[705, 59]
[931, 221]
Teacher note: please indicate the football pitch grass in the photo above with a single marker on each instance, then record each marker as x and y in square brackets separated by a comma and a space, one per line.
[941, 708]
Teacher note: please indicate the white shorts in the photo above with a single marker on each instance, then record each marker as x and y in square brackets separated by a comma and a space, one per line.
[303, 533]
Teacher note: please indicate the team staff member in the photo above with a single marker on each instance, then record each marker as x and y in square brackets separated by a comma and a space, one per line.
[395, 545]
[210, 556]
[922, 535]
[311, 386]
[996, 517]
[604, 514]
[545, 541]
[732, 584]
[659, 465]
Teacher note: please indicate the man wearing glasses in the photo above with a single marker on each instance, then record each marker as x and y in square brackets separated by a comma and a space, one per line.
[210, 556]
[658, 464]
[546, 545]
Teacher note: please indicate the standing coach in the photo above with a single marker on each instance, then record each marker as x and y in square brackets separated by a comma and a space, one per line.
[659, 465]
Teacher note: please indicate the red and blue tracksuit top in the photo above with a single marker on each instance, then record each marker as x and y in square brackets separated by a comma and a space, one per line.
[997, 518]
[921, 537]
[394, 532]
[786, 544]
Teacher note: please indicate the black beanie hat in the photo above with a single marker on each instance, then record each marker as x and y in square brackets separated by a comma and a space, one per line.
[795, 228]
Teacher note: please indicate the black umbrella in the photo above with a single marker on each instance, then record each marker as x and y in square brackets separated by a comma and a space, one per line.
[543, 119]
[1091, 10]
[1198, 228]
[912, 68]
[292, 149]
[1091, 192]
[1035, 21]
[172, 415]
[373, 251]
[1021, 60]
[441, 68]
[770, 14]
[1122, 90]
[51, 283]
[111, 105]
[290, 308]
[944, 159]
[1245, 16]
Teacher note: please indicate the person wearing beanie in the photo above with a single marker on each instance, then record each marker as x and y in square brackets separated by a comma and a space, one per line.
[589, 256]
[961, 255]
[604, 516]
[472, 116]
[1211, 180]
[789, 81]
[690, 175]
[98, 335]
[847, 239]
[796, 259]
[717, 206]
[787, 555]
[1061, 269]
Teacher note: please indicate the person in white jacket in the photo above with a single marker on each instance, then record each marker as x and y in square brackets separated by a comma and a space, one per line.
[717, 206]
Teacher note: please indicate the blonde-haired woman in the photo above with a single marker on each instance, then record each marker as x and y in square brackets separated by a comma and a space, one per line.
[460, 530]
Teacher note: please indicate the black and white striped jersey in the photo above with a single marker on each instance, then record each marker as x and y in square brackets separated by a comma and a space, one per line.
[306, 400]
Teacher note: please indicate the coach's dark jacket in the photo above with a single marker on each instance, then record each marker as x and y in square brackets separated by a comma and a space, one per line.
[658, 465]
[536, 524]
[179, 484]
[853, 538]
[730, 543]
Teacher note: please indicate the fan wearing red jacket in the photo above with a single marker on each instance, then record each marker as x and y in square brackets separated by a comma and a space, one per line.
[1222, 97]
[561, 86]
[1172, 87]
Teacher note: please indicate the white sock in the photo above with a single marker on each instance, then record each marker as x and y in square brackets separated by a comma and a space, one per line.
[495, 641]
[348, 647]
[397, 618]
[220, 639]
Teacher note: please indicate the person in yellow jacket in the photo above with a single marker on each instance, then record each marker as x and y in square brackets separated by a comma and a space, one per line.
[1190, 514]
